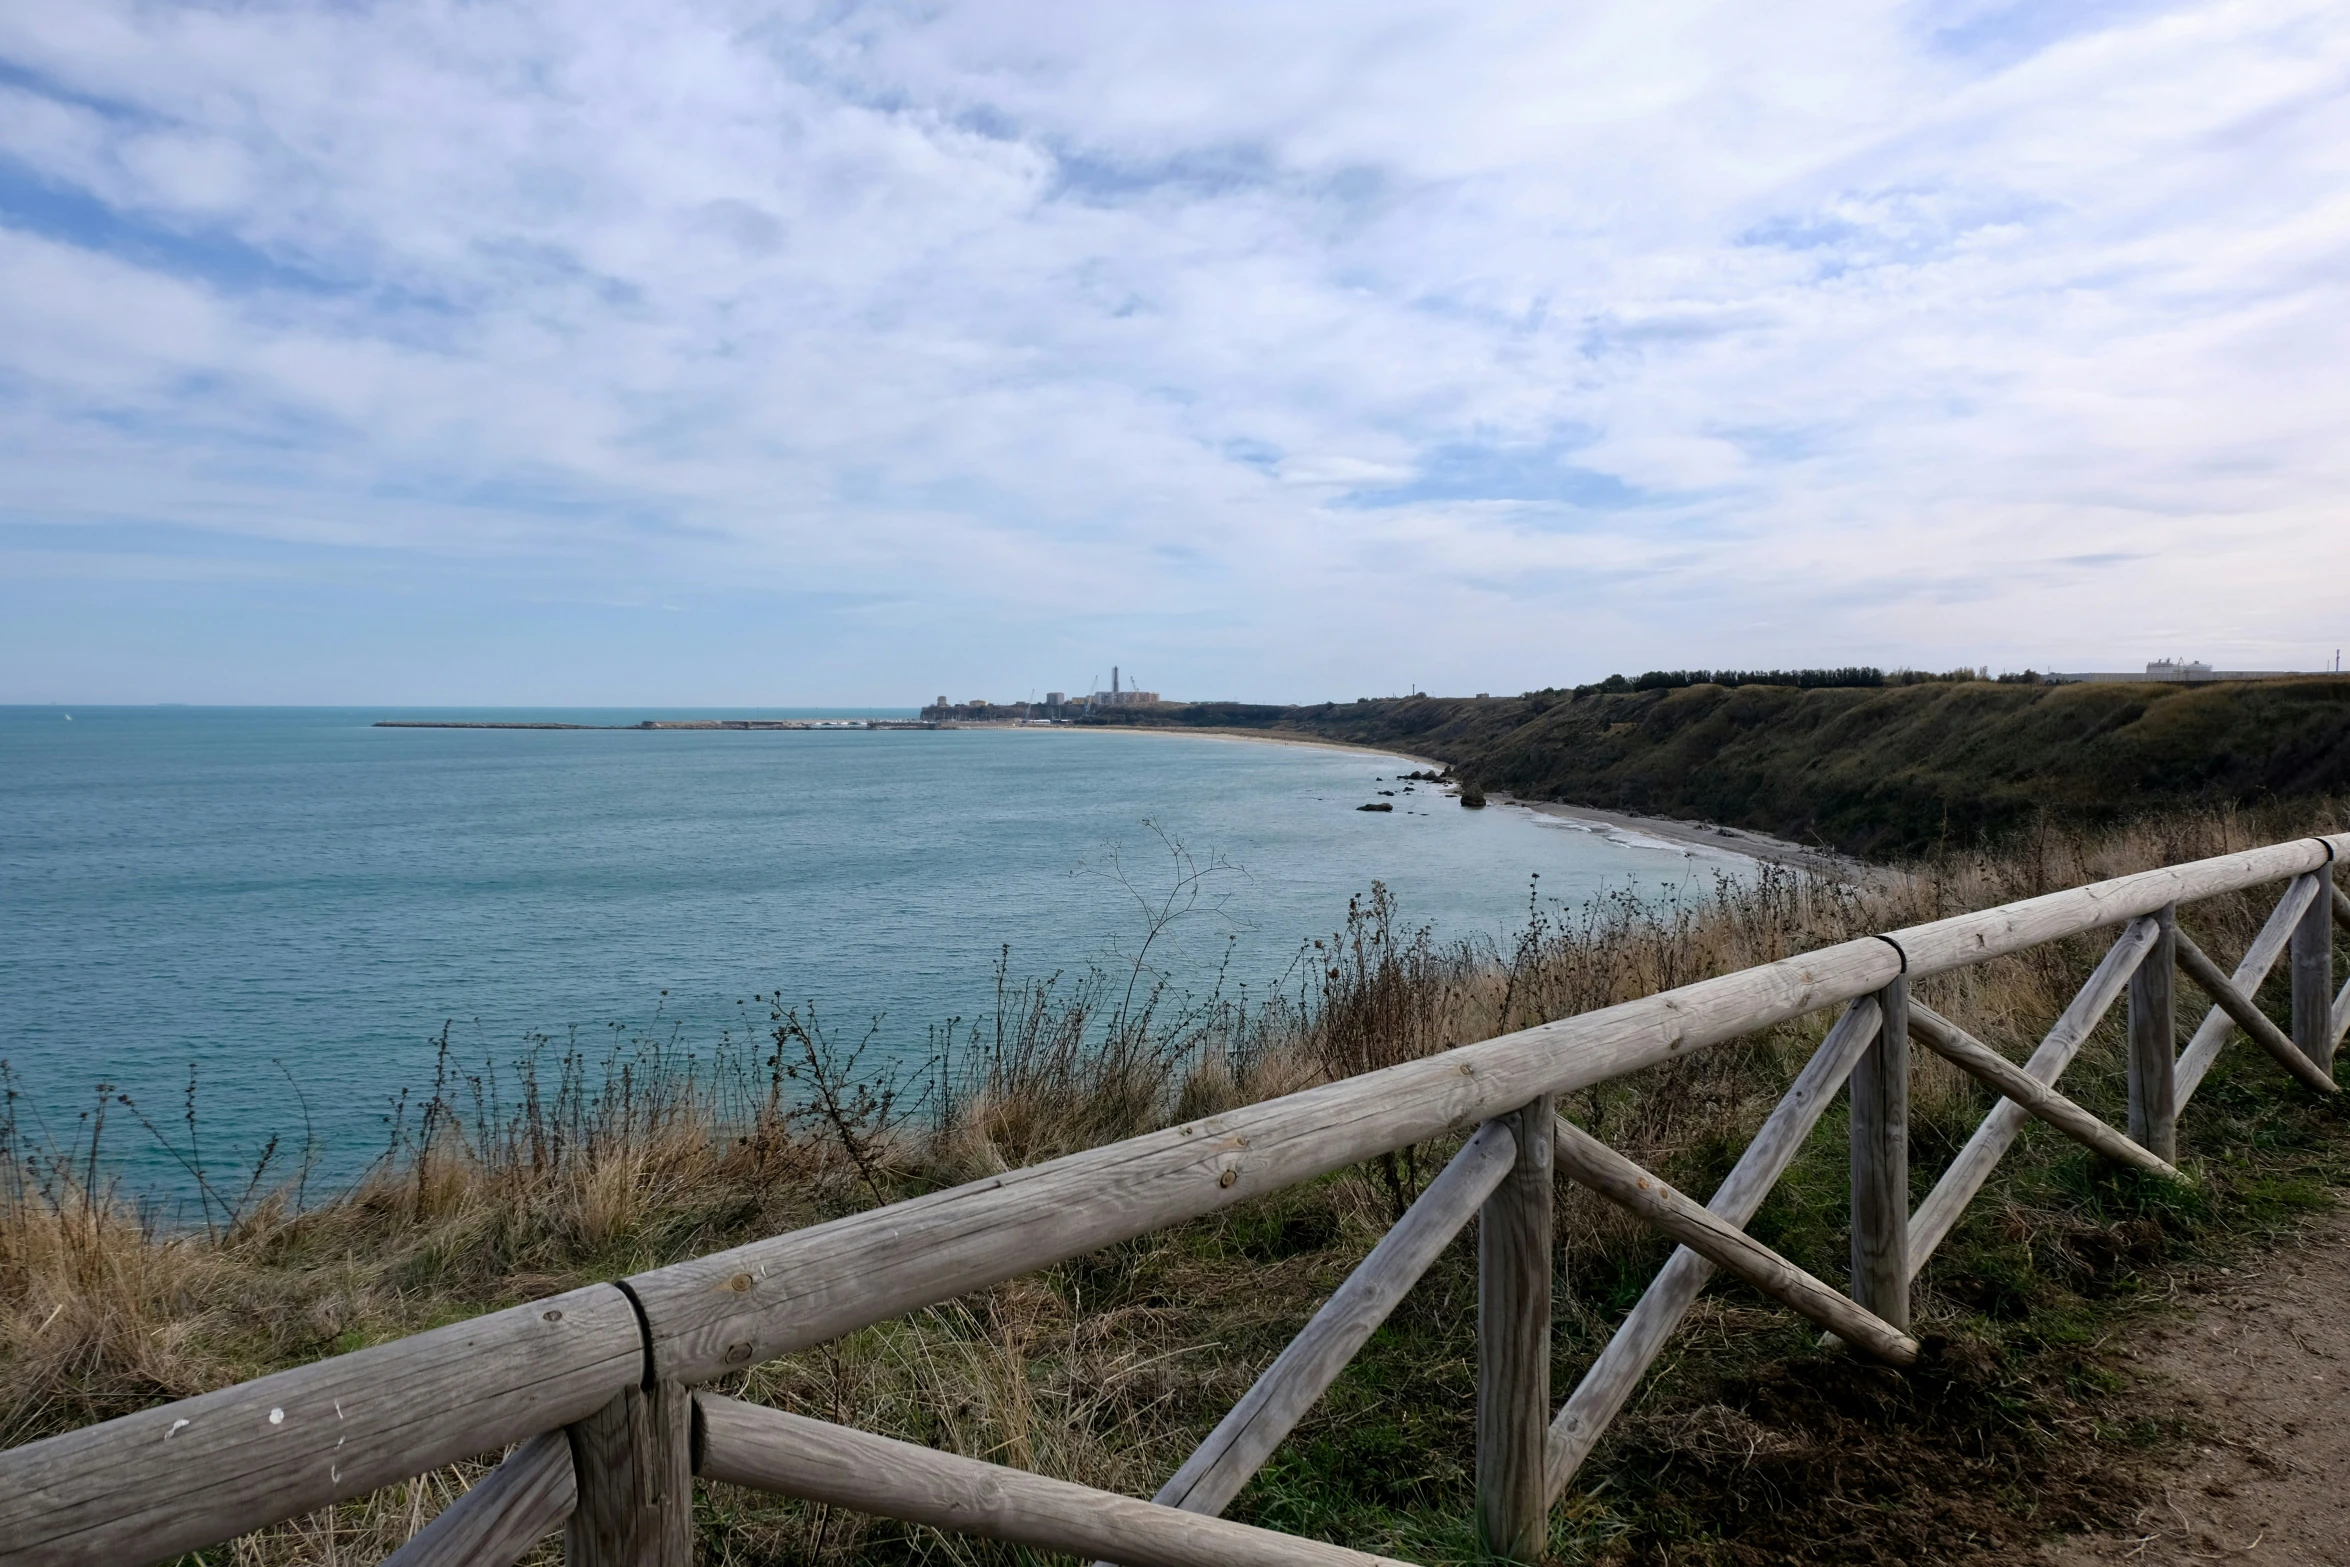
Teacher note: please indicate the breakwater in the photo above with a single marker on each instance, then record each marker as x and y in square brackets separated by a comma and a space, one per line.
[666, 723]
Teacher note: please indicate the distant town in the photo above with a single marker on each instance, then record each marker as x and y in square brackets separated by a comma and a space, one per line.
[1056, 708]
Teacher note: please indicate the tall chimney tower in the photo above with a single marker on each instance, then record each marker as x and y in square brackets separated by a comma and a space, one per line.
[1113, 680]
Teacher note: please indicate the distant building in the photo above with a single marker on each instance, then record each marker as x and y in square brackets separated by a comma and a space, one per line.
[1057, 706]
[2173, 671]
[1128, 697]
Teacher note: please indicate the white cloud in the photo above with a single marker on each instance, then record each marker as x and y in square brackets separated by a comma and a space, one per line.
[1305, 348]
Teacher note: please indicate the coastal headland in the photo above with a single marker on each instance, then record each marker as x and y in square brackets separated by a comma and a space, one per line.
[1862, 769]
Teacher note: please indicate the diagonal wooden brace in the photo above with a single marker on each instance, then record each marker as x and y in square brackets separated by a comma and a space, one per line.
[2002, 1076]
[1965, 1175]
[1239, 1446]
[2250, 1018]
[2341, 908]
[1643, 1333]
[2213, 1033]
[1618, 1179]
[508, 1511]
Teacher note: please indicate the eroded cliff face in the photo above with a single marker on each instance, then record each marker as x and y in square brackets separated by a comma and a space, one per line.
[1866, 770]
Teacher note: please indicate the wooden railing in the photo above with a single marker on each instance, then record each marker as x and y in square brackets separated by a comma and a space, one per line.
[594, 1390]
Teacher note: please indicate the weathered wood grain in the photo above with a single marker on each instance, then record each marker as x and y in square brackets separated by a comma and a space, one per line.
[1643, 1334]
[636, 1482]
[719, 1313]
[2313, 976]
[186, 1475]
[1513, 1343]
[1240, 1444]
[2212, 1034]
[2002, 1076]
[2154, 1042]
[1586, 1159]
[2012, 927]
[507, 1511]
[2250, 1018]
[1880, 1163]
[768, 1450]
[1966, 1173]
[2341, 898]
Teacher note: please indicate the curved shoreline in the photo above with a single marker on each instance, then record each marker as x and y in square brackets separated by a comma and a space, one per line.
[1257, 736]
[1712, 837]
[1733, 842]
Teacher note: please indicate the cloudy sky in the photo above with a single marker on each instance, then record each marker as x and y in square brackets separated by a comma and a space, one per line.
[838, 353]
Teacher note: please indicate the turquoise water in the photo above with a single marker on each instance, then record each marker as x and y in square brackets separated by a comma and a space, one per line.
[272, 891]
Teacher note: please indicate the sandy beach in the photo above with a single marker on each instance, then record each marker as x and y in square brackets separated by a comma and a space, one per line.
[1708, 836]
[1700, 835]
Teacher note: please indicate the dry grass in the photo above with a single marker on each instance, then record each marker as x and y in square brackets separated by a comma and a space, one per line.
[569, 1167]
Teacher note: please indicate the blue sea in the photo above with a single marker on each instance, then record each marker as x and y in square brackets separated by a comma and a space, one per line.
[290, 898]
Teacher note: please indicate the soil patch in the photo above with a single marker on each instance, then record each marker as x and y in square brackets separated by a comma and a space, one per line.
[1829, 1460]
[2262, 1361]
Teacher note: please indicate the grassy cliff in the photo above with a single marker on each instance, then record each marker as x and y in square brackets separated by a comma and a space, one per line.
[1870, 770]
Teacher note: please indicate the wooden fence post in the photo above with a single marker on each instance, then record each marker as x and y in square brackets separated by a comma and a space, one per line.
[634, 1460]
[2313, 974]
[1513, 1346]
[1880, 1163]
[2154, 1042]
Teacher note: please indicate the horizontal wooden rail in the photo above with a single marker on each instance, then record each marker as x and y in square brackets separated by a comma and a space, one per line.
[1271, 1409]
[507, 1511]
[2205, 973]
[719, 1313]
[1588, 1160]
[182, 1476]
[2002, 1076]
[769, 1450]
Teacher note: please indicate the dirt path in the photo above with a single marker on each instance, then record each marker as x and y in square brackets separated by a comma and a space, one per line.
[2263, 1357]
